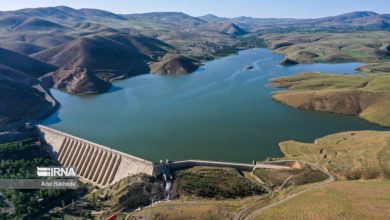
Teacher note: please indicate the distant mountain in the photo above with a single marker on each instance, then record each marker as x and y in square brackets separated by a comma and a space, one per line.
[349, 16]
[360, 20]
[93, 27]
[168, 18]
[55, 13]
[214, 18]
[88, 12]
[101, 41]
[37, 24]
[232, 29]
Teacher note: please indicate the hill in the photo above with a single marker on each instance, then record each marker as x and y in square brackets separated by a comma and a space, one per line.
[121, 53]
[175, 65]
[331, 47]
[367, 97]
[88, 12]
[37, 24]
[232, 29]
[21, 47]
[168, 18]
[21, 97]
[348, 155]
[24, 64]
[20, 102]
[213, 18]
[358, 19]
[77, 80]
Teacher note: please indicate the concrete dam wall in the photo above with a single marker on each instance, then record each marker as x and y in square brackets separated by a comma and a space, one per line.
[94, 163]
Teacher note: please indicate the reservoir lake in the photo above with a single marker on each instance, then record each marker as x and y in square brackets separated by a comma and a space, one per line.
[220, 112]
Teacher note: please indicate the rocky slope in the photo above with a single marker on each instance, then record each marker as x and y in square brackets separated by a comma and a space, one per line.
[20, 103]
[76, 80]
[16, 62]
[22, 99]
[175, 65]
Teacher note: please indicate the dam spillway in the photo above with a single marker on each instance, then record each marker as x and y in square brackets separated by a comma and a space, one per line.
[94, 163]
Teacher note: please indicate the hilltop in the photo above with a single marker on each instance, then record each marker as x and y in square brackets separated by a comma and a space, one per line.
[175, 65]
[118, 53]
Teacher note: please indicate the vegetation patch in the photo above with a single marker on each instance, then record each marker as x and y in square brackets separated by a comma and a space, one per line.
[210, 182]
[280, 179]
[129, 193]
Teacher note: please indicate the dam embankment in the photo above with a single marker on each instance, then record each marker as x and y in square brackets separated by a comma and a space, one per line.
[94, 163]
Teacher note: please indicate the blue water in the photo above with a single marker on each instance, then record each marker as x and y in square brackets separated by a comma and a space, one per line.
[220, 112]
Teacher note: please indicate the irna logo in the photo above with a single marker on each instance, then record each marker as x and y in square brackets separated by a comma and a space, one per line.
[55, 171]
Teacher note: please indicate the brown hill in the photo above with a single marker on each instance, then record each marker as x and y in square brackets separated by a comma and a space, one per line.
[22, 47]
[21, 97]
[168, 18]
[24, 63]
[175, 65]
[37, 24]
[121, 53]
[12, 74]
[77, 80]
[20, 102]
[232, 29]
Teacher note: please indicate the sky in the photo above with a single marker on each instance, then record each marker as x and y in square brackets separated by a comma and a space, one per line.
[223, 8]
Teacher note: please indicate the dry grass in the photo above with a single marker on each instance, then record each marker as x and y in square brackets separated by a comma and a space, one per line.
[280, 179]
[338, 200]
[331, 47]
[196, 209]
[364, 96]
[351, 155]
[382, 67]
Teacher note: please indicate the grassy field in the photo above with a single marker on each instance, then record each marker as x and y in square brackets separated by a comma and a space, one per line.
[362, 199]
[350, 155]
[365, 96]
[280, 179]
[196, 209]
[331, 47]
